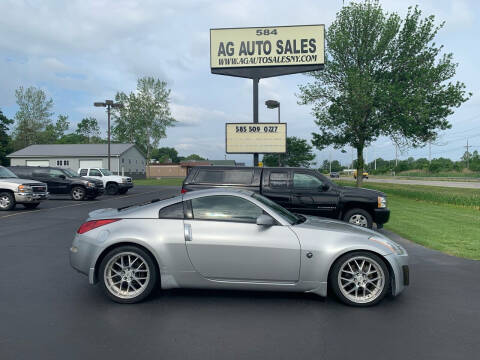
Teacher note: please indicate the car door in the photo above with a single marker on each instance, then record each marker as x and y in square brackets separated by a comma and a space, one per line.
[224, 242]
[309, 196]
[276, 185]
[57, 182]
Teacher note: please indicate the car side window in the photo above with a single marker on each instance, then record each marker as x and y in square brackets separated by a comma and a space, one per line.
[95, 172]
[279, 180]
[305, 181]
[83, 172]
[174, 211]
[55, 173]
[225, 208]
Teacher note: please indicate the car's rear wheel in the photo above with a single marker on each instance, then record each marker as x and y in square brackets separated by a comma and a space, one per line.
[360, 278]
[359, 217]
[7, 201]
[112, 189]
[129, 274]
[31, 205]
[78, 193]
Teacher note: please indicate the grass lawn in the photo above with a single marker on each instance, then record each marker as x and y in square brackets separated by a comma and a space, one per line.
[164, 182]
[445, 219]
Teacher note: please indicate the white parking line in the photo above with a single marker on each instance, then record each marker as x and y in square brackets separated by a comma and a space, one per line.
[81, 204]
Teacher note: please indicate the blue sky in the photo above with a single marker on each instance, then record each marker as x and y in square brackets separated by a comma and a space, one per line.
[81, 51]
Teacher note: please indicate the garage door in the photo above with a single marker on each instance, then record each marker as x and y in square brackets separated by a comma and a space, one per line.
[91, 164]
[38, 163]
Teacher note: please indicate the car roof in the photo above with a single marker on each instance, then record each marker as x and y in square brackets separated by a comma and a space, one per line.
[208, 192]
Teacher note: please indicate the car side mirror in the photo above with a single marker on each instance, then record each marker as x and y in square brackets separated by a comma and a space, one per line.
[62, 177]
[324, 187]
[265, 220]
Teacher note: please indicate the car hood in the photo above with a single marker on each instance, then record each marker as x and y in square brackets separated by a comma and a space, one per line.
[314, 222]
[20, 181]
[354, 191]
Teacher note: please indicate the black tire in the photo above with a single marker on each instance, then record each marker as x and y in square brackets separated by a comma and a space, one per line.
[148, 260]
[31, 205]
[334, 278]
[122, 191]
[111, 189]
[78, 193]
[7, 201]
[362, 218]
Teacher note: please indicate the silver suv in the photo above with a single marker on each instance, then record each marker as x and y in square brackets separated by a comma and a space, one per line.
[14, 191]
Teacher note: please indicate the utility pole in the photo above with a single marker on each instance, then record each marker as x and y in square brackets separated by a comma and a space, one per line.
[468, 155]
[429, 151]
[255, 112]
[330, 160]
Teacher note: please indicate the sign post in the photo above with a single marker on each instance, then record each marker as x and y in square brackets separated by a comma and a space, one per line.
[262, 52]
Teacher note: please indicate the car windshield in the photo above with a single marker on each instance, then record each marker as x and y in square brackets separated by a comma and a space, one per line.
[106, 172]
[5, 173]
[70, 172]
[291, 218]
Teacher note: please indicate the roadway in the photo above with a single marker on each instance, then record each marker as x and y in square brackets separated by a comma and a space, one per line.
[49, 311]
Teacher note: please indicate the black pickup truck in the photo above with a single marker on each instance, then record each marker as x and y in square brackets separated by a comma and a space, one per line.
[299, 190]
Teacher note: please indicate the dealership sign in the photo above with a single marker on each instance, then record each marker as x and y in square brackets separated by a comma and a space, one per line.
[267, 51]
[250, 138]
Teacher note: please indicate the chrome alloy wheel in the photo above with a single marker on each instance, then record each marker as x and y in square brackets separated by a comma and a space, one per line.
[359, 220]
[361, 279]
[5, 201]
[126, 275]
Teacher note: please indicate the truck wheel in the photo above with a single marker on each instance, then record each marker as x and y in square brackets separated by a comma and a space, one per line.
[7, 201]
[358, 217]
[31, 205]
[78, 193]
[112, 189]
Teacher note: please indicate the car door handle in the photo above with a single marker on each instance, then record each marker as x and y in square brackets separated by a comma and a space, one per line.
[187, 230]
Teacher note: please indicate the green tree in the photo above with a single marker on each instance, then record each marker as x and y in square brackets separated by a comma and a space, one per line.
[53, 132]
[383, 76]
[32, 116]
[299, 153]
[90, 129]
[164, 154]
[5, 139]
[194, 157]
[145, 115]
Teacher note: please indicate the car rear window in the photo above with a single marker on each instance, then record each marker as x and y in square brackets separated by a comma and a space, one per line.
[83, 172]
[174, 211]
[279, 179]
[233, 177]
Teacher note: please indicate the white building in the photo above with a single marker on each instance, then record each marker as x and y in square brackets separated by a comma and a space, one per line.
[124, 158]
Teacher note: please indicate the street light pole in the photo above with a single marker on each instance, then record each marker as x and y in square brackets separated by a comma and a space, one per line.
[272, 104]
[109, 104]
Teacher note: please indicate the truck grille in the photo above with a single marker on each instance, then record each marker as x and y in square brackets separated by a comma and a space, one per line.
[39, 188]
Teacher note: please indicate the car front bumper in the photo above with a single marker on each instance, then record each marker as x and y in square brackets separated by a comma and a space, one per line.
[401, 272]
[25, 198]
[125, 185]
[95, 191]
[381, 216]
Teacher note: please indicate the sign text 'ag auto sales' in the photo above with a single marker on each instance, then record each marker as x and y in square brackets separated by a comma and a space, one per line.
[267, 46]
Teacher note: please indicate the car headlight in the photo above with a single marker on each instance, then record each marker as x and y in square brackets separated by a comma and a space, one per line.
[124, 181]
[90, 184]
[382, 202]
[394, 247]
[24, 189]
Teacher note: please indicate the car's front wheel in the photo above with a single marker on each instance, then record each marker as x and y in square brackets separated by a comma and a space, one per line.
[7, 201]
[78, 193]
[128, 274]
[111, 189]
[359, 217]
[360, 278]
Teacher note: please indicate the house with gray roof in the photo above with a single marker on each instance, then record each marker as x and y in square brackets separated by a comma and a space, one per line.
[124, 158]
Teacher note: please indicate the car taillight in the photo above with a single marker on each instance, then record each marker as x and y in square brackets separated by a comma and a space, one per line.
[183, 191]
[93, 224]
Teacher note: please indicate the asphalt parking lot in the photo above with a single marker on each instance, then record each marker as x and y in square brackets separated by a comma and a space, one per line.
[49, 311]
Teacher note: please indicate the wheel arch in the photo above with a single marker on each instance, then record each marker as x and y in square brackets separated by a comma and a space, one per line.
[389, 266]
[109, 248]
[355, 205]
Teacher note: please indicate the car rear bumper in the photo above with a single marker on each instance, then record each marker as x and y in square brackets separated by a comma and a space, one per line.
[381, 216]
[25, 198]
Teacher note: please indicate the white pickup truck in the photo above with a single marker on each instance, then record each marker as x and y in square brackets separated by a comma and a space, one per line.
[15, 191]
[114, 184]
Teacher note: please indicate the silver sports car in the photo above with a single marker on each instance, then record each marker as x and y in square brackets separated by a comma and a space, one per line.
[234, 239]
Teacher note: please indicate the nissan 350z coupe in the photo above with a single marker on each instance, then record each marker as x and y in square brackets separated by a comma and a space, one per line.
[234, 239]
